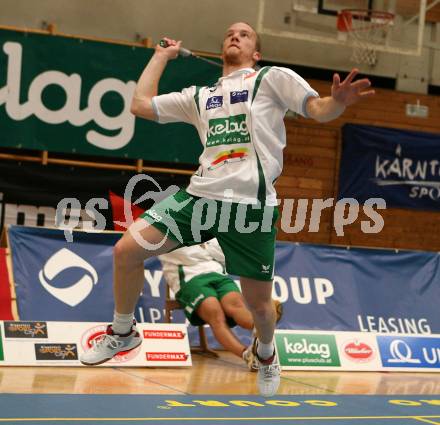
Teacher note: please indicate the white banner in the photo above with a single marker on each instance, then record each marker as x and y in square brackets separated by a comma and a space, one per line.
[357, 351]
[61, 344]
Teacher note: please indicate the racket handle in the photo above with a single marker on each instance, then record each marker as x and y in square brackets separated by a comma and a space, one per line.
[182, 51]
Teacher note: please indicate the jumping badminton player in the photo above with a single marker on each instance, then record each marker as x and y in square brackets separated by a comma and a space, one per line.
[240, 124]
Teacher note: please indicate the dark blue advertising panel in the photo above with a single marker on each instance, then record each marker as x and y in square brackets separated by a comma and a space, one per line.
[56, 280]
[414, 352]
[358, 289]
[321, 287]
[402, 167]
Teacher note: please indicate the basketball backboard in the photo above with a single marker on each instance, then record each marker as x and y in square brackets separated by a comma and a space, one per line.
[315, 21]
[330, 7]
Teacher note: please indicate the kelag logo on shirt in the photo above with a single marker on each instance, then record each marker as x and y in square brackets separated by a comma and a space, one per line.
[214, 102]
[239, 96]
[227, 131]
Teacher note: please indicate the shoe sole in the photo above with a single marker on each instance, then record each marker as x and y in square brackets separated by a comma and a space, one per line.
[109, 358]
[268, 394]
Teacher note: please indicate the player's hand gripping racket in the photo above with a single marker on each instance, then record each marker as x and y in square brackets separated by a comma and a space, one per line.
[187, 53]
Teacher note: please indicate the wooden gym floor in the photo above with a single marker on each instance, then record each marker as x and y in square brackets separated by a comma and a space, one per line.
[213, 391]
[225, 375]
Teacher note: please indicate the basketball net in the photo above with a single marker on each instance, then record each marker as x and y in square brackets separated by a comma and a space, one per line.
[365, 28]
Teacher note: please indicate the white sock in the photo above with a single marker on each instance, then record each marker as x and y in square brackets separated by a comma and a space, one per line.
[122, 323]
[265, 351]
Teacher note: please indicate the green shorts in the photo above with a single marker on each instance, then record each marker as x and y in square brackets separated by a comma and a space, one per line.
[196, 290]
[245, 234]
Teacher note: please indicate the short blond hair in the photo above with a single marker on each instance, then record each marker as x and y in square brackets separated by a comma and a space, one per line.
[258, 38]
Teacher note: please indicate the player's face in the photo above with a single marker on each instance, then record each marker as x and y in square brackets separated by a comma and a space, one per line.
[239, 45]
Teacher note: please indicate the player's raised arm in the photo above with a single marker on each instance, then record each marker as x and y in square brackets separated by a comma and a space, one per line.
[147, 86]
[343, 94]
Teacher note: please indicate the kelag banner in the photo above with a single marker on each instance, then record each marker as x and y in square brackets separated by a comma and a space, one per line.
[402, 167]
[322, 287]
[70, 95]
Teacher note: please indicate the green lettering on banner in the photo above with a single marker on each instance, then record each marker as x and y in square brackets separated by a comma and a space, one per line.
[307, 350]
[1, 346]
[228, 131]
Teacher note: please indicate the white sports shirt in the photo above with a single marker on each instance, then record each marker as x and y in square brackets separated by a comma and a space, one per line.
[240, 124]
[190, 261]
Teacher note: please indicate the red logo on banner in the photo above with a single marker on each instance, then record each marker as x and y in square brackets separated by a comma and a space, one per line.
[168, 357]
[155, 334]
[358, 351]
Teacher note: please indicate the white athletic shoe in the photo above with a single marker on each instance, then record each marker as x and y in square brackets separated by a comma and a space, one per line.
[106, 346]
[269, 372]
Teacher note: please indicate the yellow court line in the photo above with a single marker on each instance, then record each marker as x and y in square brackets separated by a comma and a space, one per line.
[280, 418]
[426, 420]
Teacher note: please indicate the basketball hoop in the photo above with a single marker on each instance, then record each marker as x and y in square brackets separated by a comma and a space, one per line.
[365, 28]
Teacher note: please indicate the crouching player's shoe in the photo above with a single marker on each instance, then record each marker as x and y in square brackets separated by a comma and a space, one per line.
[269, 372]
[106, 346]
[278, 310]
[250, 358]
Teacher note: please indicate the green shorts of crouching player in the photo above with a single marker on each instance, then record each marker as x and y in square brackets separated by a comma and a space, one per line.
[193, 292]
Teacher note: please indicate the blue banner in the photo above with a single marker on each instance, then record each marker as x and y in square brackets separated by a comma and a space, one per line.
[358, 289]
[402, 167]
[56, 280]
[413, 352]
[321, 287]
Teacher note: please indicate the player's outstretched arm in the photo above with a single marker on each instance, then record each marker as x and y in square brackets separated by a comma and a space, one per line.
[344, 94]
[147, 86]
